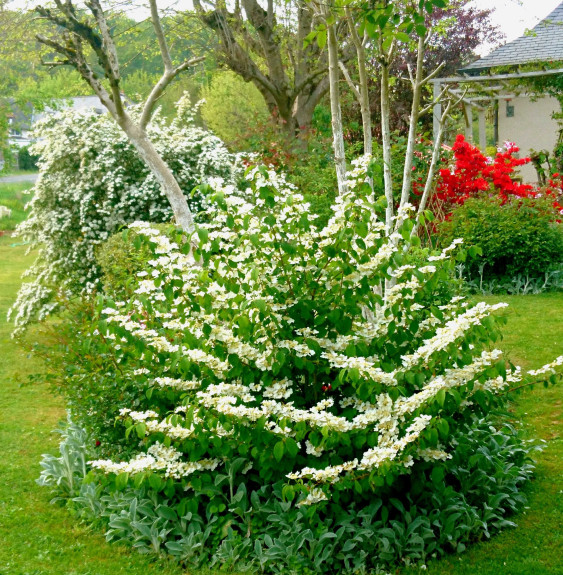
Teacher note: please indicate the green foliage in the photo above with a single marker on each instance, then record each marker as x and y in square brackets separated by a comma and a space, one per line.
[26, 160]
[120, 261]
[520, 237]
[38, 536]
[437, 510]
[232, 108]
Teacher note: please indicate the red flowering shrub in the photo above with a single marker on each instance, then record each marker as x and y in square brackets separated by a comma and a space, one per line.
[474, 173]
[481, 201]
[554, 190]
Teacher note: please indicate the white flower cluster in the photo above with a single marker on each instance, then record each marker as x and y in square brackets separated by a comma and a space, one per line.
[290, 326]
[548, 368]
[158, 458]
[91, 183]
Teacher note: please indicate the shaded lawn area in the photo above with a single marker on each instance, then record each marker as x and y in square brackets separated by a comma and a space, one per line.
[43, 539]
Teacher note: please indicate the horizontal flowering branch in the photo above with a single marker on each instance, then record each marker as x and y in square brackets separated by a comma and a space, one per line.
[280, 343]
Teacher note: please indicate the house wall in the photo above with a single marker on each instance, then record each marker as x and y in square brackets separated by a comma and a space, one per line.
[531, 127]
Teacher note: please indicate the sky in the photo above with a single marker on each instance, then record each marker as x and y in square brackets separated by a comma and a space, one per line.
[514, 17]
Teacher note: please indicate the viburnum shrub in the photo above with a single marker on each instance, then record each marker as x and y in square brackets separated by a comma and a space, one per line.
[92, 182]
[267, 354]
[474, 173]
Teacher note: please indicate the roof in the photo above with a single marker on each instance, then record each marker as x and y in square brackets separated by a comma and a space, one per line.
[543, 44]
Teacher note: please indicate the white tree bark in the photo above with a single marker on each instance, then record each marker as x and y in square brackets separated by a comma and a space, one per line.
[76, 33]
[386, 141]
[362, 92]
[336, 113]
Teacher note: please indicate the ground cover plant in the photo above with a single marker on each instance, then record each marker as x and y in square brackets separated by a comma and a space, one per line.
[238, 374]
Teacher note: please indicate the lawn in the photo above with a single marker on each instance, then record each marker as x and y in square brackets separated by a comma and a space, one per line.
[43, 539]
[15, 197]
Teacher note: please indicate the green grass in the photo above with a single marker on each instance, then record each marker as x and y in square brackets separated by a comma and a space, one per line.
[38, 538]
[14, 196]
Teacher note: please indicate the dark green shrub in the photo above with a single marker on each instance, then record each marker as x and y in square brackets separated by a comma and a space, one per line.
[26, 160]
[120, 258]
[519, 237]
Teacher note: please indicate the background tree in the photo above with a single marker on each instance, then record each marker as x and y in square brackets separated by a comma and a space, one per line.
[265, 46]
[85, 42]
[232, 108]
[455, 32]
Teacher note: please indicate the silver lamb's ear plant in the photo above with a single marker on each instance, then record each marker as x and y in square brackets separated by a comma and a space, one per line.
[66, 472]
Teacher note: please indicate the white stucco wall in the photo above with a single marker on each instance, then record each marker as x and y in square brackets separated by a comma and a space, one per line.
[531, 127]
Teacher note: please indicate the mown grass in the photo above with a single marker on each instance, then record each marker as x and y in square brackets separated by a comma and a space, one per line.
[43, 539]
[14, 196]
[38, 538]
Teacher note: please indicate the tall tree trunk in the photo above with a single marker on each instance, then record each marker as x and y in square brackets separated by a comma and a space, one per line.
[413, 123]
[162, 172]
[336, 113]
[386, 144]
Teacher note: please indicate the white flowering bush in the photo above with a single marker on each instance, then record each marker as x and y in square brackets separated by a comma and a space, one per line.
[294, 399]
[274, 345]
[91, 183]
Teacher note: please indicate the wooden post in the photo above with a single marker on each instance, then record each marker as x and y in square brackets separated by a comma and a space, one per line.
[468, 122]
[482, 130]
[437, 107]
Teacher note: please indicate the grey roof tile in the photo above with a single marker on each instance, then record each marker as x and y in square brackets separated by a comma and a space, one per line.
[545, 43]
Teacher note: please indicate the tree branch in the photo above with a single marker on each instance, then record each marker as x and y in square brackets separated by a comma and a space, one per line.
[159, 31]
[353, 87]
[161, 86]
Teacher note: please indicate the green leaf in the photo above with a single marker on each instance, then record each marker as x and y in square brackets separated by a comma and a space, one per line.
[288, 492]
[345, 325]
[403, 37]
[278, 450]
[420, 30]
[321, 38]
[437, 474]
[260, 304]
[141, 430]
[203, 235]
[155, 481]
[121, 481]
[443, 428]
[441, 397]
[291, 447]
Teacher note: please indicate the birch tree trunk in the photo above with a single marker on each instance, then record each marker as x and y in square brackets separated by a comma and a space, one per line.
[363, 91]
[162, 172]
[386, 144]
[336, 113]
